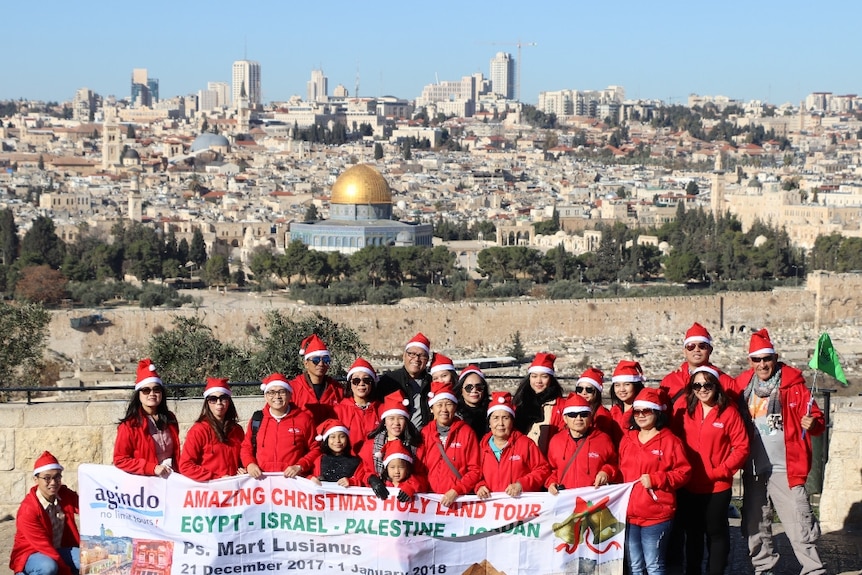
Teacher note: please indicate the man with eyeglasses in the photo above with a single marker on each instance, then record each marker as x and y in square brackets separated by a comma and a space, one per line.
[46, 537]
[782, 416]
[696, 348]
[313, 389]
[413, 380]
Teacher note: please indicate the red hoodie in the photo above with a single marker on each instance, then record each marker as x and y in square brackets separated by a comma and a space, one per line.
[281, 444]
[521, 461]
[716, 446]
[323, 408]
[463, 451]
[204, 457]
[135, 450]
[359, 421]
[674, 384]
[663, 458]
[34, 533]
[597, 454]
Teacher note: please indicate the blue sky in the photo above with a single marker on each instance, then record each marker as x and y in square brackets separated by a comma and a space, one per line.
[755, 49]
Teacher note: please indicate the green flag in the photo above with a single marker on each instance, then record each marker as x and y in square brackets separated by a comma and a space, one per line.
[826, 360]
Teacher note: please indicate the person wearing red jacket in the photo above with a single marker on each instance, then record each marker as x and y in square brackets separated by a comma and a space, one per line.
[511, 462]
[148, 436]
[583, 455]
[628, 381]
[449, 451]
[313, 389]
[359, 410]
[782, 416]
[716, 444]
[590, 386]
[697, 349]
[285, 441]
[538, 402]
[654, 459]
[212, 446]
[399, 471]
[46, 536]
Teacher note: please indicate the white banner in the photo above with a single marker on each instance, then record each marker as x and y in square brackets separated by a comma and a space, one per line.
[134, 525]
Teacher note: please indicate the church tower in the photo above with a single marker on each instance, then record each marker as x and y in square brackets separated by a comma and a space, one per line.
[111, 145]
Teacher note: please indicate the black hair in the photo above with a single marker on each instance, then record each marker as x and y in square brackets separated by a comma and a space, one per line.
[638, 385]
[384, 475]
[528, 403]
[661, 419]
[324, 446]
[162, 418]
[410, 437]
[372, 394]
[221, 428]
[721, 399]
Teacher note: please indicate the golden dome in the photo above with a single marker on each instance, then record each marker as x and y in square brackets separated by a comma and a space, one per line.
[361, 184]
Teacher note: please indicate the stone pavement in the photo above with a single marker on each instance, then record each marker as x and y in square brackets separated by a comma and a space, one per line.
[840, 550]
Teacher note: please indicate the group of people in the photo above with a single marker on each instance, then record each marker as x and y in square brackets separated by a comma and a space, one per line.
[427, 428]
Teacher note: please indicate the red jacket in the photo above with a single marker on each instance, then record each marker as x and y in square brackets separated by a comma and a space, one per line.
[359, 421]
[521, 461]
[204, 457]
[597, 454]
[304, 397]
[602, 420]
[622, 420]
[663, 458]
[674, 384]
[462, 449]
[794, 398]
[34, 534]
[416, 483]
[281, 444]
[135, 450]
[716, 446]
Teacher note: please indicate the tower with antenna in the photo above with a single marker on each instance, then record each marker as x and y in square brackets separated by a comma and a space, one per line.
[517, 74]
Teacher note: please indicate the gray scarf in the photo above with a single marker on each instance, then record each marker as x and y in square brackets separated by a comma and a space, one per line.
[768, 388]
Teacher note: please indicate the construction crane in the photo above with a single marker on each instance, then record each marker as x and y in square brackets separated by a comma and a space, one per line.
[519, 45]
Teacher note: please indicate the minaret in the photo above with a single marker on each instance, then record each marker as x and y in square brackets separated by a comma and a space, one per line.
[243, 113]
[717, 197]
[136, 204]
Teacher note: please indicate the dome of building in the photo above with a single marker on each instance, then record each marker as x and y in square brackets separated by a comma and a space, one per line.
[209, 140]
[131, 155]
[361, 184]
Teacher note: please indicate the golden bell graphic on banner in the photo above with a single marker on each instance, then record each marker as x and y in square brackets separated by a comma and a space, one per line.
[604, 525]
[565, 530]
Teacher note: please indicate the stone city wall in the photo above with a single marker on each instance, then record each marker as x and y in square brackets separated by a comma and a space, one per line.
[84, 432]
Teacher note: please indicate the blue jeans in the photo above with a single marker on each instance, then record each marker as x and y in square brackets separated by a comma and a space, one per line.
[39, 564]
[646, 547]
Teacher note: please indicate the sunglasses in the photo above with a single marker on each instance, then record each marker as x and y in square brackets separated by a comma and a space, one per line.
[641, 412]
[585, 388]
[218, 398]
[581, 414]
[316, 360]
[149, 390]
[361, 381]
[470, 387]
[761, 359]
[697, 386]
[700, 345]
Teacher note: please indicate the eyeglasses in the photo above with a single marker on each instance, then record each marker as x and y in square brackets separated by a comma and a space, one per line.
[697, 386]
[316, 360]
[470, 387]
[641, 412]
[414, 355]
[219, 398]
[764, 358]
[581, 414]
[361, 381]
[276, 393]
[699, 345]
[51, 478]
[149, 390]
[588, 388]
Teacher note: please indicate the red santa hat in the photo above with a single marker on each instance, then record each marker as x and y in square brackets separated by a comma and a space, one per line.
[46, 462]
[441, 390]
[760, 344]
[650, 398]
[420, 341]
[592, 376]
[146, 374]
[395, 450]
[330, 426]
[471, 369]
[394, 404]
[313, 346]
[217, 385]
[704, 369]
[361, 366]
[501, 401]
[697, 334]
[627, 371]
[274, 380]
[441, 363]
[543, 363]
[577, 403]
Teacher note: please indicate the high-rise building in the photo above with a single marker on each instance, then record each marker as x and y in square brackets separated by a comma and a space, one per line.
[503, 75]
[246, 82]
[318, 87]
[222, 90]
[84, 105]
[145, 90]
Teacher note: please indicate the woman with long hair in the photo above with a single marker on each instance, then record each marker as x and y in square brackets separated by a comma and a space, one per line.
[358, 409]
[212, 446]
[148, 440]
[539, 402]
[473, 397]
[627, 382]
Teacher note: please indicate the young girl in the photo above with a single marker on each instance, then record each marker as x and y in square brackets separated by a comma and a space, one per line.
[336, 462]
[398, 471]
